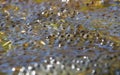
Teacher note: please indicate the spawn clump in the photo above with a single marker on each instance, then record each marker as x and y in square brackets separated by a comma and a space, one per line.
[50, 32]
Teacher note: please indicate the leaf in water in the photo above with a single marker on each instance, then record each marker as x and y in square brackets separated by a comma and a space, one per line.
[39, 1]
[94, 4]
[10, 7]
[115, 39]
[4, 42]
[55, 26]
[82, 73]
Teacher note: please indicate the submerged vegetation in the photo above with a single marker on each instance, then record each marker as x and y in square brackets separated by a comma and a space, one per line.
[59, 37]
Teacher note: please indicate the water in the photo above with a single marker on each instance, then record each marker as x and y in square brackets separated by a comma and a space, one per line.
[85, 33]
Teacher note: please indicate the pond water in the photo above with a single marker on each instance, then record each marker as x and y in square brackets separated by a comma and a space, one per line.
[59, 37]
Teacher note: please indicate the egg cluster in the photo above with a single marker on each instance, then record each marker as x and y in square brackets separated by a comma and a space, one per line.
[72, 66]
[50, 67]
[62, 37]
